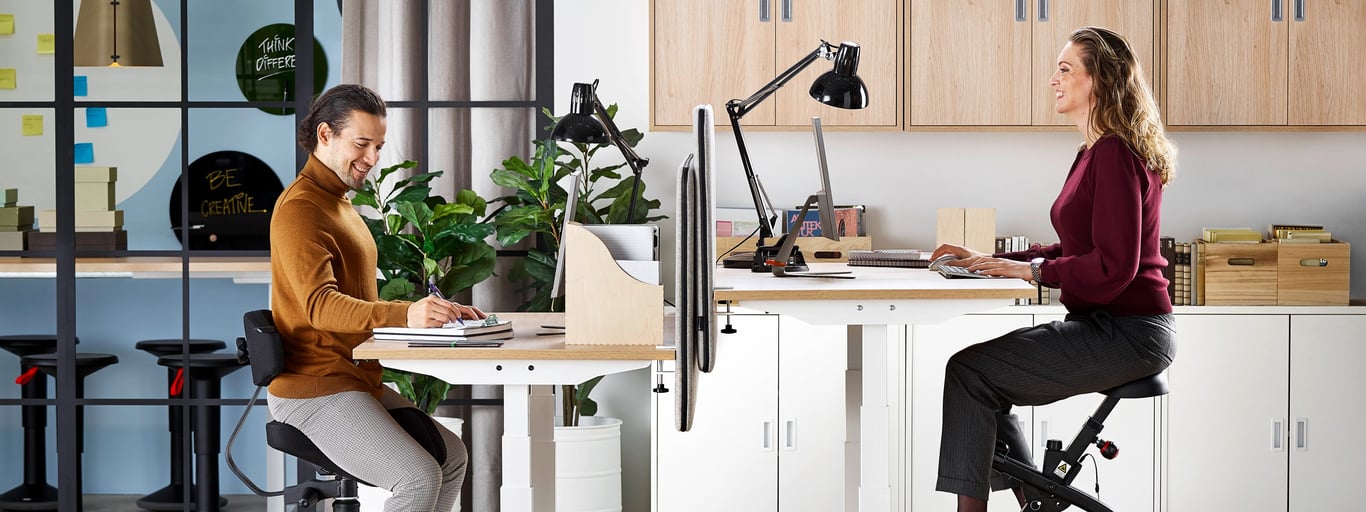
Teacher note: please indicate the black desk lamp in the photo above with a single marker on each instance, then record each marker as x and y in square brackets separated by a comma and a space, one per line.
[840, 87]
[579, 126]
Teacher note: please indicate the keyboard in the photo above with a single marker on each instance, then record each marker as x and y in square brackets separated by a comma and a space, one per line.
[950, 271]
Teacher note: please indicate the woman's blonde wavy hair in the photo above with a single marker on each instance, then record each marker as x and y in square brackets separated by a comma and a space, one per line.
[1124, 103]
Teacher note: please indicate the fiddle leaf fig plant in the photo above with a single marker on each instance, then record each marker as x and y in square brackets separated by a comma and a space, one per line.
[421, 238]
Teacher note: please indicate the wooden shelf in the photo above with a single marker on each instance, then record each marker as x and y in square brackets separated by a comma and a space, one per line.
[235, 267]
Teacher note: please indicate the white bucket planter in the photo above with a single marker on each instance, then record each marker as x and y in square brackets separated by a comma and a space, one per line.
[372, 498]
[588, 466]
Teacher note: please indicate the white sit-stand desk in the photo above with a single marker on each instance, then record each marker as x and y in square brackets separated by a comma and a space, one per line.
[875, 301]
[527, 367]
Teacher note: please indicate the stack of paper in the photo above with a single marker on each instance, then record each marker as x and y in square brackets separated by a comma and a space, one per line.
[477, 333]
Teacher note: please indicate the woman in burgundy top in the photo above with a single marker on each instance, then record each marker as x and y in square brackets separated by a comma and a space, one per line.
[1107, 264]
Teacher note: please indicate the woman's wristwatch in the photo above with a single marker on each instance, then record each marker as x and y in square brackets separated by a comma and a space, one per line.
[1034, 265]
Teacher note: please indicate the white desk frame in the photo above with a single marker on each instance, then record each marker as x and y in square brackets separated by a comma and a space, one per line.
[879, 302]
[527, 376]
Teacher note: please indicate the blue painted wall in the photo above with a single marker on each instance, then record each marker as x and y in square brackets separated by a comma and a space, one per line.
[127, 447]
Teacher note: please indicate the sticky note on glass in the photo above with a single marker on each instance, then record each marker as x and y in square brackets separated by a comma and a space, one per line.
[6, 24]
[7, 78]
[47, 44]
[85, 153]
[33, 125]
[80, 85]
[96, 117]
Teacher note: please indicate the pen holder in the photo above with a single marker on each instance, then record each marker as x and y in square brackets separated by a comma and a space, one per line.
[603, 304]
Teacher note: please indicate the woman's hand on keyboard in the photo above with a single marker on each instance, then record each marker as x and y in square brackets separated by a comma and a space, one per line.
[963, 255]
[1002, 268]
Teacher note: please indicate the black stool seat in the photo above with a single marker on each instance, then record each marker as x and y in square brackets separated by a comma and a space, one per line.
[173, 346]
[1152, 385]
[86, 362]
[218, 364]
[286, 438]
[26, 344]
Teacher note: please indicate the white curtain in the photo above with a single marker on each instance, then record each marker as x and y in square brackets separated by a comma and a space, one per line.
[479, 50]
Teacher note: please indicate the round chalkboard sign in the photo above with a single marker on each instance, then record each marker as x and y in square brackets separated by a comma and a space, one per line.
[265, 67]
[231, 196]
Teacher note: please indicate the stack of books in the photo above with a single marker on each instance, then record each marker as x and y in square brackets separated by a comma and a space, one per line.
[1180, 278]
[1230, 235]
[1299, 233]
[904, 258]
[15, 221]
[490, 332]
[848, 220]
[1011, 243]
[99, 227]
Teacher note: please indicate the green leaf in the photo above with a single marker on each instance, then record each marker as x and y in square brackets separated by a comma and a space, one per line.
[587, 407]
[385, 172]
[417, 214]
[422, 177]
[413, 194]
[510, 179]
[445, 210]
[396, 289]
[365, 197]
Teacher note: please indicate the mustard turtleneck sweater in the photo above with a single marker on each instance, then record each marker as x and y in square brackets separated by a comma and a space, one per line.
[323, 291]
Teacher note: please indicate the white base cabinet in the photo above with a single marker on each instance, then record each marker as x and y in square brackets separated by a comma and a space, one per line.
[769, 428]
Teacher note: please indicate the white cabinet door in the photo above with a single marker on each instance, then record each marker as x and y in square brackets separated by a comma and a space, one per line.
[811, 416]
[931, 346]
[728, 461]
[1130, 479]
[1226, 414]
[1327, 456]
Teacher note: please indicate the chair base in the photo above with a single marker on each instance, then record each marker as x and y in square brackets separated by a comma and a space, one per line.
[172, 497]
[30, 497]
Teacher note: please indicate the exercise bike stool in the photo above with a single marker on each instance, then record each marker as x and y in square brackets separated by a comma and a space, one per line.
[1152, 385]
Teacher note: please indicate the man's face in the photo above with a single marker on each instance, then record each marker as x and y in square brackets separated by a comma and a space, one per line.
[354, 150]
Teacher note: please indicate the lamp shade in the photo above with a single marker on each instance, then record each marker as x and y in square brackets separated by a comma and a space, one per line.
[116, 33]
[841, 87]
[579, 125]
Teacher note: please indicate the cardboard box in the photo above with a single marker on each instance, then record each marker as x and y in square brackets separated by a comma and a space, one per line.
[1237, 274]
[1313, 274]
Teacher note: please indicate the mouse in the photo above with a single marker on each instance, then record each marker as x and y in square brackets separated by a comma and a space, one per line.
[939, 262]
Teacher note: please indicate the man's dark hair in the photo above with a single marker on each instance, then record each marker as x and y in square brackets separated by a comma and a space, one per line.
[334, 107]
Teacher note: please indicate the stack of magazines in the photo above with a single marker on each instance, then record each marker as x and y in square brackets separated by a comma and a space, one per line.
[905, 258]
[488, 332]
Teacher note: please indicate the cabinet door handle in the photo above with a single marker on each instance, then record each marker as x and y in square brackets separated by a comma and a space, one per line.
[767, 440]
[1020, 6]
[1299, 10]
[1276, 9]
[1277, 435]
[1302, 434]
[763, 11]
[787, 10]
[1043, 10]
[789, 435]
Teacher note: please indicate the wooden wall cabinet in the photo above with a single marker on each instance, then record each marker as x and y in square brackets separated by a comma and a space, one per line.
[1266, 63]
[718, 50]
[988, 63]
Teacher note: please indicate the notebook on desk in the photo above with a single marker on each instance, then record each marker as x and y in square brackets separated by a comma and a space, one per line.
[487, 329]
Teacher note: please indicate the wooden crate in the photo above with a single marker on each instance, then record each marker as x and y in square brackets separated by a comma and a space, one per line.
[1233, 274]
[1313, 274]
[809, 245]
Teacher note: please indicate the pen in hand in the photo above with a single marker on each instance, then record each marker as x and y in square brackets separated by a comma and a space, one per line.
[431, 286]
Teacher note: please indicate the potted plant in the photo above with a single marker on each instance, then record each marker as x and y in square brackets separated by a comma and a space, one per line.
[422, 238]
[537, 208]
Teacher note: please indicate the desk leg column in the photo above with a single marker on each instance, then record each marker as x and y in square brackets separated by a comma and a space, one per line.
[528, 449]
[876, 426]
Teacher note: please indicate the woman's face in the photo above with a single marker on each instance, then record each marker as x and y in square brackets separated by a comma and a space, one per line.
[1071, 84]
[354, 150]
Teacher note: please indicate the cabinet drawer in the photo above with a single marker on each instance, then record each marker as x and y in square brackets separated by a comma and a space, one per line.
[1313, 274]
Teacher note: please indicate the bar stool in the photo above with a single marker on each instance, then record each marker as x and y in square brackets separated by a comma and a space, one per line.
[172, 496]
[35, 491]
[86, 364]
[205, 373]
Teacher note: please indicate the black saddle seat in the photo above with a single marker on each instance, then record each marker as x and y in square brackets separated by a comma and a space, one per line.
[169, 347]
[86, 363]
[288, 439]
[1152, 385]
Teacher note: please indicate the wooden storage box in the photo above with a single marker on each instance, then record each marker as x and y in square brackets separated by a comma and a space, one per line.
[809, 245]
[1233, 274]
[1313, 274]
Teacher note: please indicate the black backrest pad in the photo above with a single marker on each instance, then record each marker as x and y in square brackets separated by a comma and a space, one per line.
[264, 348]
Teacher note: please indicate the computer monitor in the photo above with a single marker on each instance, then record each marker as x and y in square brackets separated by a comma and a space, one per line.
[824, 206]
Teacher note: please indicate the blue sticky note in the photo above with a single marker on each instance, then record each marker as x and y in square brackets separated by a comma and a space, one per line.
[80, 86]
[85, 153]
[96, 117]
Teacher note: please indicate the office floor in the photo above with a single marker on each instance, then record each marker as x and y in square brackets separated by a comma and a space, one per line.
[128, 503]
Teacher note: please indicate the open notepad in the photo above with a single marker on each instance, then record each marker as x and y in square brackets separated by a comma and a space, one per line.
[489, 332]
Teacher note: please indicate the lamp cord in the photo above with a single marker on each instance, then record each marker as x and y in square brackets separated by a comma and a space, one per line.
[736, 246]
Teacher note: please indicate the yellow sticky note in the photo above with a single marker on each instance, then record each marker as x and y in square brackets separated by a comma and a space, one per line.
[7, 78]
[6, 24]
[33, 125]
[47, 44]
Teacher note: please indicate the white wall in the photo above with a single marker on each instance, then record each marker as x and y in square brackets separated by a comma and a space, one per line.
[1224, 178]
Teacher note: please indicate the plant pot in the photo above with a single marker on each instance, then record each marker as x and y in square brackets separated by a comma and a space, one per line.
[588, 466]
[372, 498]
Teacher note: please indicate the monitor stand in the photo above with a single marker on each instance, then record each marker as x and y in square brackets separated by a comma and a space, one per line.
[764, 253]
[787, 250]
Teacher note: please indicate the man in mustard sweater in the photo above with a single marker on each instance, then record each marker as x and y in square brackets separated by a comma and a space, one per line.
[325, 302]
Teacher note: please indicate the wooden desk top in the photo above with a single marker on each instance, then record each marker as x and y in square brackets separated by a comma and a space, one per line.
[870, 283]
[525, 345]
[144, 266]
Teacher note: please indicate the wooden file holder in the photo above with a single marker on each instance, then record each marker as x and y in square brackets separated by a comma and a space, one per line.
[603, 304]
